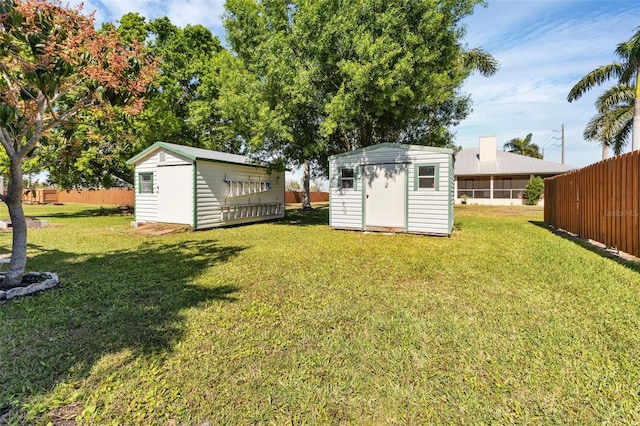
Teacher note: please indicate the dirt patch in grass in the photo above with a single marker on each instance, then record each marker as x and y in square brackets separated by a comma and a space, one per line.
[157, 229]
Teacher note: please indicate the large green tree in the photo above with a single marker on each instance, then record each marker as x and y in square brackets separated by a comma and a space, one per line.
[344, 75]
[53, 66]
[180, 109]
[523, 146]
[625, 72]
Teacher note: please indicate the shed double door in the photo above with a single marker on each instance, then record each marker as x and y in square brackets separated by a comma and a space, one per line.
[385, 196]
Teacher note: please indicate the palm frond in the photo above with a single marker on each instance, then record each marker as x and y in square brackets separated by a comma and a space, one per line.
[618, 94]
[611, 128]
[592, 131]
[480, 60]
[595, 78]
[622, 137]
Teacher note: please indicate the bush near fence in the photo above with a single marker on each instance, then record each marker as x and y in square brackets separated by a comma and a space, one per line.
[291, 197]
[600, 202]
[113, 196]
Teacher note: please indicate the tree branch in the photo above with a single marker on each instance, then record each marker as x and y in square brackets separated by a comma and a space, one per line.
[5, 139]
[42, 128]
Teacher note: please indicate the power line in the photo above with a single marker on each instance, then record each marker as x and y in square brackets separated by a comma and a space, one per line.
[561, 140]
[577, 116]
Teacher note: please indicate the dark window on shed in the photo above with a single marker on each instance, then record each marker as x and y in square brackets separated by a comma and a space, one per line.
[145, 183]
[426, 176]
[347, 179]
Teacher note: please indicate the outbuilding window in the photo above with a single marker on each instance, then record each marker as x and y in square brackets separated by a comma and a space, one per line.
[347, 180]
[426, 176]
[145, 183]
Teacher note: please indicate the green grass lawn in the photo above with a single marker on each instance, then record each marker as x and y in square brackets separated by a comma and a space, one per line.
[292, 322]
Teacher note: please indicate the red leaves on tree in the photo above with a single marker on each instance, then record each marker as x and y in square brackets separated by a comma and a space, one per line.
[53, 53]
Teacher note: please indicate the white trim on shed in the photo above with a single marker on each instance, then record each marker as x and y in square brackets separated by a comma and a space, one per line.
[203, 188]
[392, 187]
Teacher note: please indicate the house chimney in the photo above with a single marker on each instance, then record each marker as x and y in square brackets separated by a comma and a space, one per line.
[487, 148]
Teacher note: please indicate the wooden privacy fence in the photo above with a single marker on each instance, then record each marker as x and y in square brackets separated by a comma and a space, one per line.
[114, 196]
[600, 202]
[291, 197]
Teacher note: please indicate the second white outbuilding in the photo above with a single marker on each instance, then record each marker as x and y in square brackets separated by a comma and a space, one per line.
[394, 188]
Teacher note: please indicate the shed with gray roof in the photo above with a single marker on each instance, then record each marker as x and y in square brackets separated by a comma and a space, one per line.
[203, 188]
[488, 176]
[392, 187]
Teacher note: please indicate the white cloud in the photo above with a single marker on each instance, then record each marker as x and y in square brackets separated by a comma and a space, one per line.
[205, 12]
[181, 13]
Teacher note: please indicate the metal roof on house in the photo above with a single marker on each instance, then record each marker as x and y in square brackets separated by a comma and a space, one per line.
[506, 163]
[196, 154]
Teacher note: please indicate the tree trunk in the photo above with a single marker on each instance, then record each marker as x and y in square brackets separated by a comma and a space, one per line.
[635, 131]
[605, 152]
[306, 178]
[19, 226]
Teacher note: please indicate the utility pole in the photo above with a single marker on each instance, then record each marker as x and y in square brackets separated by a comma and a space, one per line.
[563, 144]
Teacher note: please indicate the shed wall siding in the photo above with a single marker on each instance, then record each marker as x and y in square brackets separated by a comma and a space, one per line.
[146, 205]
[212, 192]
[428, 210]
[345, 205]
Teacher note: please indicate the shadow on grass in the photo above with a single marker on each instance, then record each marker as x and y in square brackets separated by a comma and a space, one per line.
[633, 265]
[93, 212]
[299, 217]
[107, 303]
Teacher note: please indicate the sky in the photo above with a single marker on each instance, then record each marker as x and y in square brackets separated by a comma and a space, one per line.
[543, 46]
[544, 49]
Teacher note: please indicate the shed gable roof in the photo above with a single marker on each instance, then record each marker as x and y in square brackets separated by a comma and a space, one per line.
[395, 146]
[195, 154]
[507, 163]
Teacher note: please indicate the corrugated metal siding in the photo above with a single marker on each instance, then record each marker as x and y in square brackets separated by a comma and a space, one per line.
[429, 211]
[345, 205]
[452, 194]
[506, 163]
[429, 208]
[213, 193]
[146, 205]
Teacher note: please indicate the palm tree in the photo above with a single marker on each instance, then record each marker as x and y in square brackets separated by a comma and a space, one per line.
[480, 60]
[523, 146]
[627, 72]
[614, 122]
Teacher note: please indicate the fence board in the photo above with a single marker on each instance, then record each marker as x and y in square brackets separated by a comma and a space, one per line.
[113, 196]
[600, 202]
[291, 197]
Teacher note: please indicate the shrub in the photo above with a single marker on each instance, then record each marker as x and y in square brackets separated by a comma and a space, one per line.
[534, 190]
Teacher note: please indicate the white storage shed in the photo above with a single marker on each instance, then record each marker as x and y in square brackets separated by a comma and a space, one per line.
[203, 188]
[394, 188]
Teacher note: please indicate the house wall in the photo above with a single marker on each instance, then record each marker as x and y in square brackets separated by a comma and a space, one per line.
[428, 210]
[217, 206]
[504, 190]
